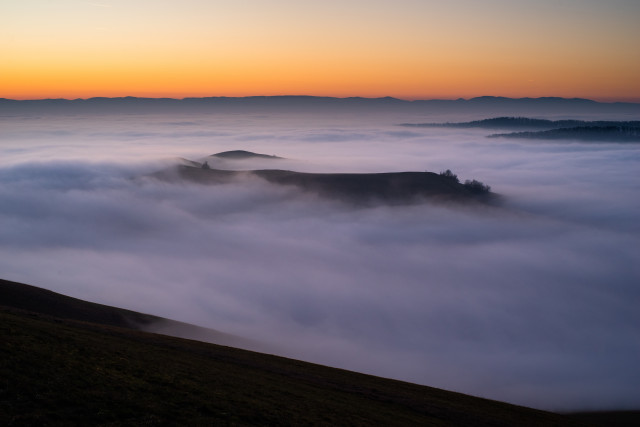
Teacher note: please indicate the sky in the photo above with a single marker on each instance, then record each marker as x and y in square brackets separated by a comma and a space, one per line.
[410, 49]
[534, 302]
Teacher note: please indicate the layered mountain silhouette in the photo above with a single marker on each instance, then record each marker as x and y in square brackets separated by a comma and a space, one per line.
[485, 104]
[358, 188]
[609, 133]
[526, 123]
[600, 130]
[70, 362]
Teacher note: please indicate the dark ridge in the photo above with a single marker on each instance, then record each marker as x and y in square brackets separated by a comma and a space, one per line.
[581, 133]
[34, 299]
[608, 418]
[31, 298]
[543, 99]
[359, 188]
[394, 187]
[525, 123]
[59, 372]
[242, 154]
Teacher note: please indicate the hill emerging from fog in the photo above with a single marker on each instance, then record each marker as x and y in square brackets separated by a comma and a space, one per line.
[580, 130]
[606, 133]
[527, 123]
[243, 155]
[358, 188]
[70, 362]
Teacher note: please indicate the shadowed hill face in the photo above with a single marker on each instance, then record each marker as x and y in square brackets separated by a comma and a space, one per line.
[362, 188]
[393, 187]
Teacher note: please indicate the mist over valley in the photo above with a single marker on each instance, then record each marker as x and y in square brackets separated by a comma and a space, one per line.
[531, 301]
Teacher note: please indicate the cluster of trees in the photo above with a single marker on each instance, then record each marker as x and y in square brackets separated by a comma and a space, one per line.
[473, 185]
[450, 175]
[476, 187]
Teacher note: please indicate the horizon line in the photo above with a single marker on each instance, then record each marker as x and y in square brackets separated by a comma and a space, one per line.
[453, 99]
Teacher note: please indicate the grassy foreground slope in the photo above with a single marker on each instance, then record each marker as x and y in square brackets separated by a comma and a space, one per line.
[34, 299]
[56, 371]
[43, 301]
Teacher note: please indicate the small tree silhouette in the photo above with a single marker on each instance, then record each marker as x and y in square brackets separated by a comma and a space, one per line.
[205, 165]
[450, 175]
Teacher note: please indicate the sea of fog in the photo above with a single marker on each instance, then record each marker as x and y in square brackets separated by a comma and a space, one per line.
[535, 302]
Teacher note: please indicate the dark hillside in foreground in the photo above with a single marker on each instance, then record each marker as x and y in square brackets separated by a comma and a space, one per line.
[31, 298]
[66, 372]
[34, 299]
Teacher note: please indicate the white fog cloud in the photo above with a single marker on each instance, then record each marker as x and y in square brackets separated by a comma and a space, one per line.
[533, 303]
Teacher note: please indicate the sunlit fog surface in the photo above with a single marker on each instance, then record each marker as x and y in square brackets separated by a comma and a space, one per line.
[534, 302]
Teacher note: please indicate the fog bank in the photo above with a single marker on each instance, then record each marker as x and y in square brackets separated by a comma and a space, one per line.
[533, 303]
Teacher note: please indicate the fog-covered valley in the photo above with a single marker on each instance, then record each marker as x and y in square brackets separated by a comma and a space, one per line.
[532, 302]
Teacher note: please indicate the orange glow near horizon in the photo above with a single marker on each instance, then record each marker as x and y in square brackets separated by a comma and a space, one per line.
[405, 49]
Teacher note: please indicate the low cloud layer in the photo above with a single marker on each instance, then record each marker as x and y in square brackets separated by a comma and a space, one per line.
[533, 303]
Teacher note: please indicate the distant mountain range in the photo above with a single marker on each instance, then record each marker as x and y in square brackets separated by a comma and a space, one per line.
[487, 104]
[358, 188]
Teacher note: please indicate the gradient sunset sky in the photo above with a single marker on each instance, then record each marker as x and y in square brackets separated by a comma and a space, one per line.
[410, 49]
